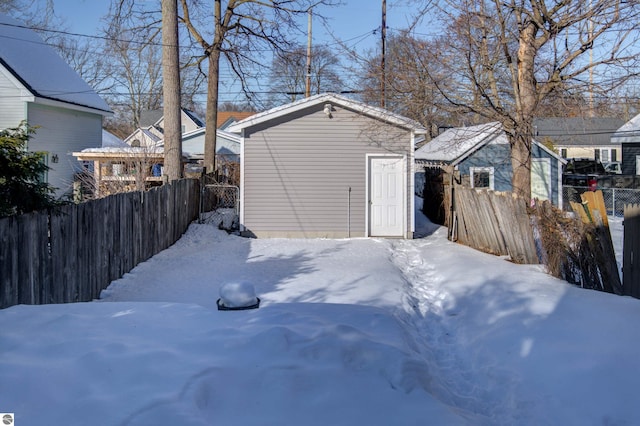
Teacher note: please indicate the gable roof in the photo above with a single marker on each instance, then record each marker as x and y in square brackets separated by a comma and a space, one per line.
[144, 132]
[152, 117]
[149, 117]
[39, 68]
[194, 117]
[228, 117]
[355, 106]
[456, 144]
[628, 132]
[109, 140]
[577, 131]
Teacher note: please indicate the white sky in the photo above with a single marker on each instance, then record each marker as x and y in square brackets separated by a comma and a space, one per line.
[360, 331]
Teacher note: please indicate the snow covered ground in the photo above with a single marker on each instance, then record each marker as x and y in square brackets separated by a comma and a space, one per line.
[349, 332]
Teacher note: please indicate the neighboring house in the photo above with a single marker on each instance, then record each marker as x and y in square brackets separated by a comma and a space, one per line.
[227, 145]
[227, 118]
[127, 165]
[109, 140]
[139, 162]
[118, 169]
[152, 134]
[327, 166]
[628, 135]
[578, 137]
[482, 155]
[39, 87]
[144, 137]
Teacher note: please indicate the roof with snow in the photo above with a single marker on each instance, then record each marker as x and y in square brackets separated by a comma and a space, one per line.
[358, 107]
[458, 143]
[628, 132]
[455, 144]
[39, 68]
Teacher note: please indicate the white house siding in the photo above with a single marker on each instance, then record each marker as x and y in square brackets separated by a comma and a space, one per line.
[12, 108]
[298, 171]
[66, 131]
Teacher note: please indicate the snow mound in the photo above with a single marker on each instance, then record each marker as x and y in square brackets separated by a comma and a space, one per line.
[238, 295]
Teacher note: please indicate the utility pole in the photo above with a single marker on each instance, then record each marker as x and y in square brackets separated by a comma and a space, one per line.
[307, 91]
[383, 75]
[171, 91]
[592, 109]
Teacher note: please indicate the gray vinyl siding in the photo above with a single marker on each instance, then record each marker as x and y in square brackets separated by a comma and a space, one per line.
[12, 107]
[298, 171]
[62, 131]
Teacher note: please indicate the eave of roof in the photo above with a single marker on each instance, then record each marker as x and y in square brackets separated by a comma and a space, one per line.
[358, 107]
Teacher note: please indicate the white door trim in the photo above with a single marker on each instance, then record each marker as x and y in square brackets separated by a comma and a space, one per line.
[369, 158]
[546, 178]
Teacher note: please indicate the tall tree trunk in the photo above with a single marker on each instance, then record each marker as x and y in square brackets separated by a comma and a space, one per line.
[526, 104]
[213, 77]
[211, 118]
[171, 91]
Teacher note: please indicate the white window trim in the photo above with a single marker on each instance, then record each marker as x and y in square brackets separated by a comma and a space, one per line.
[473, 170]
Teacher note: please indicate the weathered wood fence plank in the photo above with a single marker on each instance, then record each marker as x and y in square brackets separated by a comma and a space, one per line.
[495, 223]
[71, 253]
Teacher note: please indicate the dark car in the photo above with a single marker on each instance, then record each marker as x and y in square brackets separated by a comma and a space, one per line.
[584, 166]
[582, 172]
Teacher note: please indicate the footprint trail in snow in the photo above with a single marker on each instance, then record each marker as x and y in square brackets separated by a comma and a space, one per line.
[460, 375]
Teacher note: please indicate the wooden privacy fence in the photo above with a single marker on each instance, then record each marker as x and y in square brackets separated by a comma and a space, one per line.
[71, 253]
[494, 222]
[630, 259]
[577, 249]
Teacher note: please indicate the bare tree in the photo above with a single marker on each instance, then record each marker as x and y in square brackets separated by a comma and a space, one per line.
[39, 15]
[505, 58]
[134, 45]
[171, 90]
[289, 73]
[409, 89]
[241, 30]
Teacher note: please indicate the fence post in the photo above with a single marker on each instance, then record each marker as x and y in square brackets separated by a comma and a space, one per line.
[631, 250]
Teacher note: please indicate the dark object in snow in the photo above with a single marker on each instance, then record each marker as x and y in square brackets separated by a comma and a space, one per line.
[222, 307]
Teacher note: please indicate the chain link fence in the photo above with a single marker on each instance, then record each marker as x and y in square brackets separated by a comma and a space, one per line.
[219, 203]
[614, 198]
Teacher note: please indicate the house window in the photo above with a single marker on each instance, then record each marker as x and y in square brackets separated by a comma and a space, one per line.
[563, 152]
[44, 176]
[481, 177]
[605, 154]
[135, 143]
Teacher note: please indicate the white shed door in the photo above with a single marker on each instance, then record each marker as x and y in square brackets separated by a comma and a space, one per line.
[541, 178]
[386, 197]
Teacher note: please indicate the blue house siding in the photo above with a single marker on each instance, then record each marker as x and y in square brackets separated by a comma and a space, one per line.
[487, 146]
[496, 156]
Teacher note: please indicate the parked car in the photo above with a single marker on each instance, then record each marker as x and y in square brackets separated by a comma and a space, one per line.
[613, 168]
[582, 172]
[584, 166]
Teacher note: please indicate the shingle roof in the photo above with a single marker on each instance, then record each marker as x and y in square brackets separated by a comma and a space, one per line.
[39, 68]
[577, 131]
[225, 116]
